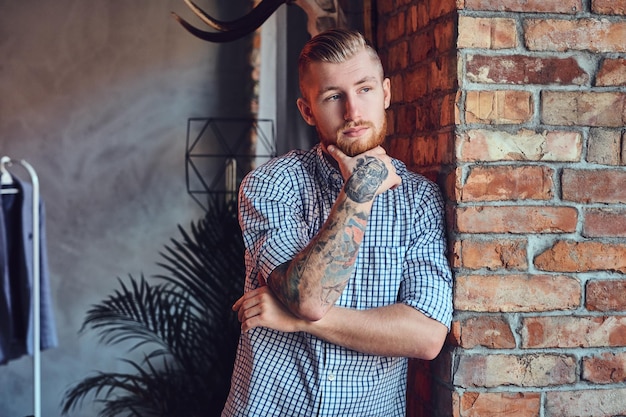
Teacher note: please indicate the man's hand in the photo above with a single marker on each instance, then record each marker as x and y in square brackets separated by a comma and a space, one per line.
[367, 174]
[260, 308]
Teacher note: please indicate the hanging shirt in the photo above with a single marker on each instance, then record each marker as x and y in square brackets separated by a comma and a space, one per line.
[283, 204]
[16, 267]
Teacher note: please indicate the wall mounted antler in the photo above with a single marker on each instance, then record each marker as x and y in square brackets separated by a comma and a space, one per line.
[321, 14]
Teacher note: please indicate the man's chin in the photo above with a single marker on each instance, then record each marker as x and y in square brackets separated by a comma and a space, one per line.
[356, 148]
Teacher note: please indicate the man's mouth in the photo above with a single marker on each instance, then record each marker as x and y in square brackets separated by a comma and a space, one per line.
[355, 131]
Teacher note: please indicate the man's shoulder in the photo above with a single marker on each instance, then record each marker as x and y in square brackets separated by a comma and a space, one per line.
[294, 159]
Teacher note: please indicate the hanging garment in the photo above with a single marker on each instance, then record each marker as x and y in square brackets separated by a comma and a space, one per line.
[16, 268]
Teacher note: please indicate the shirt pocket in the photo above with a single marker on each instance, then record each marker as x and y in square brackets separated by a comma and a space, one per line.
[376, 279]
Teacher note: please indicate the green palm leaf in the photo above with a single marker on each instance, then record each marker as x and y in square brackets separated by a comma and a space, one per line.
[182, 323]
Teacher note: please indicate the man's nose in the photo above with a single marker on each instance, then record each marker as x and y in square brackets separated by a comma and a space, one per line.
[352, 110]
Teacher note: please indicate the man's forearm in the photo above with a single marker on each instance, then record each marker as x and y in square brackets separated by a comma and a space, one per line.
[311, 283]
[395, 330]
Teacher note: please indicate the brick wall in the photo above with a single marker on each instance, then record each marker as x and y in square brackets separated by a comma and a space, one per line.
[518, 109]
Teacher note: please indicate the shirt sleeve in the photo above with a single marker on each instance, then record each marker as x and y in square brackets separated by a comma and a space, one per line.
[271, 219]
[427, 277]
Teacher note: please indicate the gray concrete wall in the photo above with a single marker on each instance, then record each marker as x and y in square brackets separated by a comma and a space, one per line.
[95, 95]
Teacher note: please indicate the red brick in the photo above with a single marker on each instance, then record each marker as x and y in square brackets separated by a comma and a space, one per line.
[438, 114]
[391, 120]
[612, 72]
[595, 35]
[606, 368]
[494, 254]
[605, 223]
[572, 332]
[442, 73]
[422, 47]
[606, 295]
[594, 186]
[445, 35]
[417, 16]
[447, 110]
[395, 28]
[516, 293]
[605, 146]
[498, 107]
[525, 145]
[398, 147]
[405, 119]
[400, 3]
[385, 6]
[398, 57]
[416, 82]
[528, 6]
[439, 8]
[433, 149]
[516, 219]
[517, 182]
[486, 33]
[538, 370]
[490, 332]
[590, 402]
[586, 256]
[500, 404]
[397, 88]
[614, 7]
[584, 108]
[524, 70]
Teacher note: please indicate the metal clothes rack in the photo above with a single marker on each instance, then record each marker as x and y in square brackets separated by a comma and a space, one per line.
[6, 179]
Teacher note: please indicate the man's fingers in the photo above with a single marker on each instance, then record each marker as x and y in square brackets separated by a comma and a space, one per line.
[335, 152]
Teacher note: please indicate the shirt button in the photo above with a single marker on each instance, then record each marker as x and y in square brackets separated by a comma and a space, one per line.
[331, 377]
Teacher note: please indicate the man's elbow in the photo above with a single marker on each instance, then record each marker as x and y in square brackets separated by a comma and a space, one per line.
[432, 343]
[431, 351]
[310, 312]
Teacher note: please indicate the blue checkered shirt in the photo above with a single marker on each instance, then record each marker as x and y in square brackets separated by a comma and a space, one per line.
[283, 204]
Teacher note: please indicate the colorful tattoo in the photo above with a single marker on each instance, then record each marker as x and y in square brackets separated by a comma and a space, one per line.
[332, 255]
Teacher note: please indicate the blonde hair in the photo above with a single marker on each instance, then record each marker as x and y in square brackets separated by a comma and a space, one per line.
[334, 46]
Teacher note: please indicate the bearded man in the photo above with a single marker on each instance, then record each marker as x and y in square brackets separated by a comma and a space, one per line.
[346, 268]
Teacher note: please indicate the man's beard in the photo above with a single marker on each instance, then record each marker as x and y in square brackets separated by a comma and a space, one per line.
[352, 147]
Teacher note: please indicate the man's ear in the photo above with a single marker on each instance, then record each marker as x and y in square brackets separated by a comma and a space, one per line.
[387, 92]
[305, 111]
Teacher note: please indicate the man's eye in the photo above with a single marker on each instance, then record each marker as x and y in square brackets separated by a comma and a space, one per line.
[334, 97]
[365, 89]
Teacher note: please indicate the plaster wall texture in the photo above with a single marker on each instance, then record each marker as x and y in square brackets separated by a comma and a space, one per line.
[96, 95]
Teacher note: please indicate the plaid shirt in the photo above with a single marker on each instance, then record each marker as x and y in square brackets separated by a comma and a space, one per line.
[283, 204]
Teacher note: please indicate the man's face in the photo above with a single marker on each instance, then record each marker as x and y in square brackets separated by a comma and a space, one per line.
[346, 103]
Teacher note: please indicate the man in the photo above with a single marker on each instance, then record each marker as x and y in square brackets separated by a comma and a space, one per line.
[346, 274]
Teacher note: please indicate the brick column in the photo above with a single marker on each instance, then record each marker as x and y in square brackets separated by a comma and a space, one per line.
[536, 183]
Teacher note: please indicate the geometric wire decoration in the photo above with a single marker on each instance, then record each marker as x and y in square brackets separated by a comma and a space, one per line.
[220, 152]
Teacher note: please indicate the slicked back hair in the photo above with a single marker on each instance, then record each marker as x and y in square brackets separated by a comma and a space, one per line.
[334, 46]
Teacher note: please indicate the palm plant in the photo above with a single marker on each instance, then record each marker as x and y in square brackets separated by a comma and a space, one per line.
[180, 321]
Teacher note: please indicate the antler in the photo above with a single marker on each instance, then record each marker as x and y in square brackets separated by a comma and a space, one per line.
[230, 31]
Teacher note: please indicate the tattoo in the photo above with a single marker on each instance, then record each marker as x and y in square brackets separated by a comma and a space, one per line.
[367, 176]
[340, 257]
[335, 257]
[331, 256]
[286, 290]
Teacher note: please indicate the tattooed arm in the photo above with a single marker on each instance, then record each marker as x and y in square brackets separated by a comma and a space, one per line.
[310, 283]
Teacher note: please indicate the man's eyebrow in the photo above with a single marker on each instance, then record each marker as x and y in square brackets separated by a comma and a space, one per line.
[366, 79]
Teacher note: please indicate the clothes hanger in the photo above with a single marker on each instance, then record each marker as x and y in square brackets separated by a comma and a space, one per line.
[6, 178]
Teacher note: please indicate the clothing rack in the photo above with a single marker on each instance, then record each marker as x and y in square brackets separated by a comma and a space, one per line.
[6, 179]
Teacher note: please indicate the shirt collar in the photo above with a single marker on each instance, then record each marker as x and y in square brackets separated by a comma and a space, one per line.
[327, 170]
